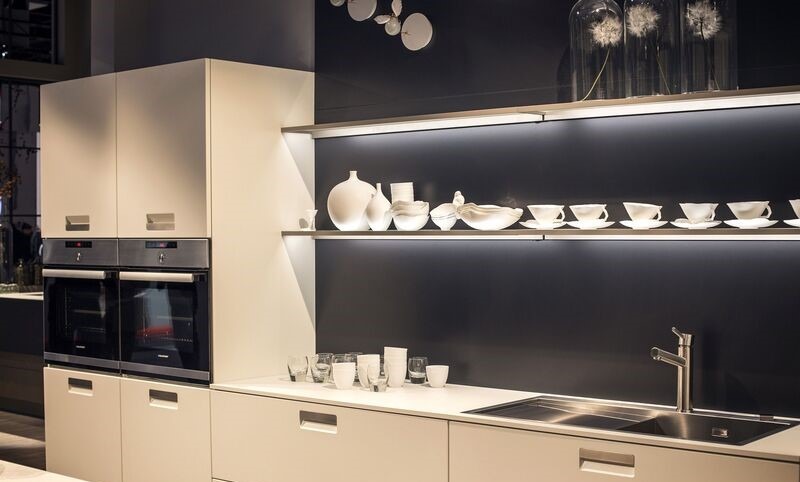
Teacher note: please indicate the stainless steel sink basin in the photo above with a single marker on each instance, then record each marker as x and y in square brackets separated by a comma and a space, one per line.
[643, 420]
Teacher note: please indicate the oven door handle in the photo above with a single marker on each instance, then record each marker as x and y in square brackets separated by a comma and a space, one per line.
[156, 277]
[74, 274]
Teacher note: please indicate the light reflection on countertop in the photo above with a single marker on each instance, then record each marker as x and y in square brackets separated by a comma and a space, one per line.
[32, 296]
[9, 471]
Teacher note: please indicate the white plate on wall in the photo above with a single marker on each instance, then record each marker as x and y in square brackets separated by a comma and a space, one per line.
[685, 224]
[534, 224]
[646, 224]
[593, 224]
[793, 222]
[757, 223]
[361, 10]
[417, 32]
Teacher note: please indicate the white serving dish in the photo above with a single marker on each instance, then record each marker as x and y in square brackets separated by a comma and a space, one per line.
[488, 217]
[410, 222]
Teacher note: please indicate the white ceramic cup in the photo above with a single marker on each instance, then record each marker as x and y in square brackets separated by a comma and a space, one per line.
[699, 212]
[796, 206]
[344, 374]
[395, 369]
[547, 213]
[751, 209]
[392, 351]
[643, 212]
[589, 212]
[437, 375]
[402, 191]
[363, 362]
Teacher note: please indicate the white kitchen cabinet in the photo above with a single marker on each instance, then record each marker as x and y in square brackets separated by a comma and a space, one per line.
[82, 425]
[481, 453]
[261, 439]
[163, 167]
[79, 161]
[166, 432]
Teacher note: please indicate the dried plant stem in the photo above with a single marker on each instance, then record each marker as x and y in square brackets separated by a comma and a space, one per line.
[661, 67]
[599, 74]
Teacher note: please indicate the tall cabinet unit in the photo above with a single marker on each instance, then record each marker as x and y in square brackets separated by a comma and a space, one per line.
[162, 152]
[79, 158]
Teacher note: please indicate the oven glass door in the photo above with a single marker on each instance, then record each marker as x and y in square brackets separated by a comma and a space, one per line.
[165, 324]
[81, 317]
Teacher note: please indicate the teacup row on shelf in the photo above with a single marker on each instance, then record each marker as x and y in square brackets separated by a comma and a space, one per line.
[354, 205]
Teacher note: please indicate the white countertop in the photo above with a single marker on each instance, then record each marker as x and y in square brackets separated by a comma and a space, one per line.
[9, 471]
[23, 296]
[450, 402]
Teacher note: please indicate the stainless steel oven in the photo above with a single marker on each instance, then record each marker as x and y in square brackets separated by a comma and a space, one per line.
[165, 315]
[81, 294]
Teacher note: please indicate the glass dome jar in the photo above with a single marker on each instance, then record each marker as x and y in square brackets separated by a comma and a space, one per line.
[708, 33]
[596, 47]
[652, 47]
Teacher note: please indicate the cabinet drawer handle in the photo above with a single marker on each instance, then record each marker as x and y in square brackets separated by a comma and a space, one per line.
[162, 399]
[607, 463]
[161, 221]
[79, 386]
[77, 223]
[318, 422]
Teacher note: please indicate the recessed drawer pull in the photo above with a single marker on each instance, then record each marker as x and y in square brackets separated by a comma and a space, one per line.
[162, 399]
[607, 463]
[79, 386]
[161, 221]
[77, 223]
[318, 422]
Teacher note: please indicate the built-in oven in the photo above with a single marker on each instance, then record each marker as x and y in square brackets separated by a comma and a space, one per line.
[165, 315]
[81, 294]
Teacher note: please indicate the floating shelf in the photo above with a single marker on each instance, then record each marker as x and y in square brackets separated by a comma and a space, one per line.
[735, 99]
[714, 234]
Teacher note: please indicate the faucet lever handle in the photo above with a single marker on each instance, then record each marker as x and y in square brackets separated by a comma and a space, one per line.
[685, 338]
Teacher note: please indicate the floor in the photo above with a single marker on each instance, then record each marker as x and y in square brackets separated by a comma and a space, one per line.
[22, 440]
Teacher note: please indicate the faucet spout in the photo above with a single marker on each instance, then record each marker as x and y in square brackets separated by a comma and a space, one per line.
[660, 355]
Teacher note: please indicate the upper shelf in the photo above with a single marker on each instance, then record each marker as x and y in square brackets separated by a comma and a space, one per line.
[548, 112]
[661, 234]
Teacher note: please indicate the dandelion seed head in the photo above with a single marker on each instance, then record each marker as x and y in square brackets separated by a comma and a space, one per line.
[642, 19]
[607, 32]
[703, 19]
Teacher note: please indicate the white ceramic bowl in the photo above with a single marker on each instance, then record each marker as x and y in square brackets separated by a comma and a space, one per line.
[488, 217]
[642, 211]
[751, 209]
[547, 213]
[437, 375]
[445, 223]
[344, 374]
[413, 207]
[413, 222]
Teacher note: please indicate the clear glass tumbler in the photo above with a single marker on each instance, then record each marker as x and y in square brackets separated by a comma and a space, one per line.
[298, 368]
[416, 369]
[320, 366]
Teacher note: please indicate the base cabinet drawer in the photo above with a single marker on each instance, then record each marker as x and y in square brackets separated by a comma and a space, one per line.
[260, 439]
[82, 429]
[166, 432]
[480, 453]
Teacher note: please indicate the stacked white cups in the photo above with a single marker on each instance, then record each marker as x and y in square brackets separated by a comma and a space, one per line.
[402, 191]
[395, 364]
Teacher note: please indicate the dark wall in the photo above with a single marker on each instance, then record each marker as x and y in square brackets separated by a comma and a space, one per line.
[21, 357]
[267, 32]
[498, 53]
[579, 317]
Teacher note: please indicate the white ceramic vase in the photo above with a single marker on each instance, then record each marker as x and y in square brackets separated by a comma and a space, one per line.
[378, 216]
[347, 204]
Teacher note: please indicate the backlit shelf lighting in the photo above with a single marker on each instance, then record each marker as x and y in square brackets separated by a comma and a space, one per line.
[715, 234]
[705, 101]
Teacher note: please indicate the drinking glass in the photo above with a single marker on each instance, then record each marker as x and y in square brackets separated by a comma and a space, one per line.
[377, 377]
[320, 366]
[298, 368]
[416, 369]
[355, 354]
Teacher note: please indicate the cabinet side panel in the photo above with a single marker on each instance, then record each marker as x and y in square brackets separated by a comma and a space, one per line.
[262, 288]
[78, 156]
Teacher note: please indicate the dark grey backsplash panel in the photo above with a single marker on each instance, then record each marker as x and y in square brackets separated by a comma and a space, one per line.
[579, 317]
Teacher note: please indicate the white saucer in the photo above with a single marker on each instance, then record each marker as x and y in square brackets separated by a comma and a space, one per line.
[793, 222]
[534, 224]
[645, 224]
[685, 224]
[593, 224]
[751, 223]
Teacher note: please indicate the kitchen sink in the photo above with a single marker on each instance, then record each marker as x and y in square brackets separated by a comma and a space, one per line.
[638, 419]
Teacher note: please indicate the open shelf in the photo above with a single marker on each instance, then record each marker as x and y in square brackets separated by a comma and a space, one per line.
[662, 234]
[735, 99]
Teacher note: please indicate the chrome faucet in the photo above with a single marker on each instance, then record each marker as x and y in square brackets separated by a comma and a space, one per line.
[683, 360]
